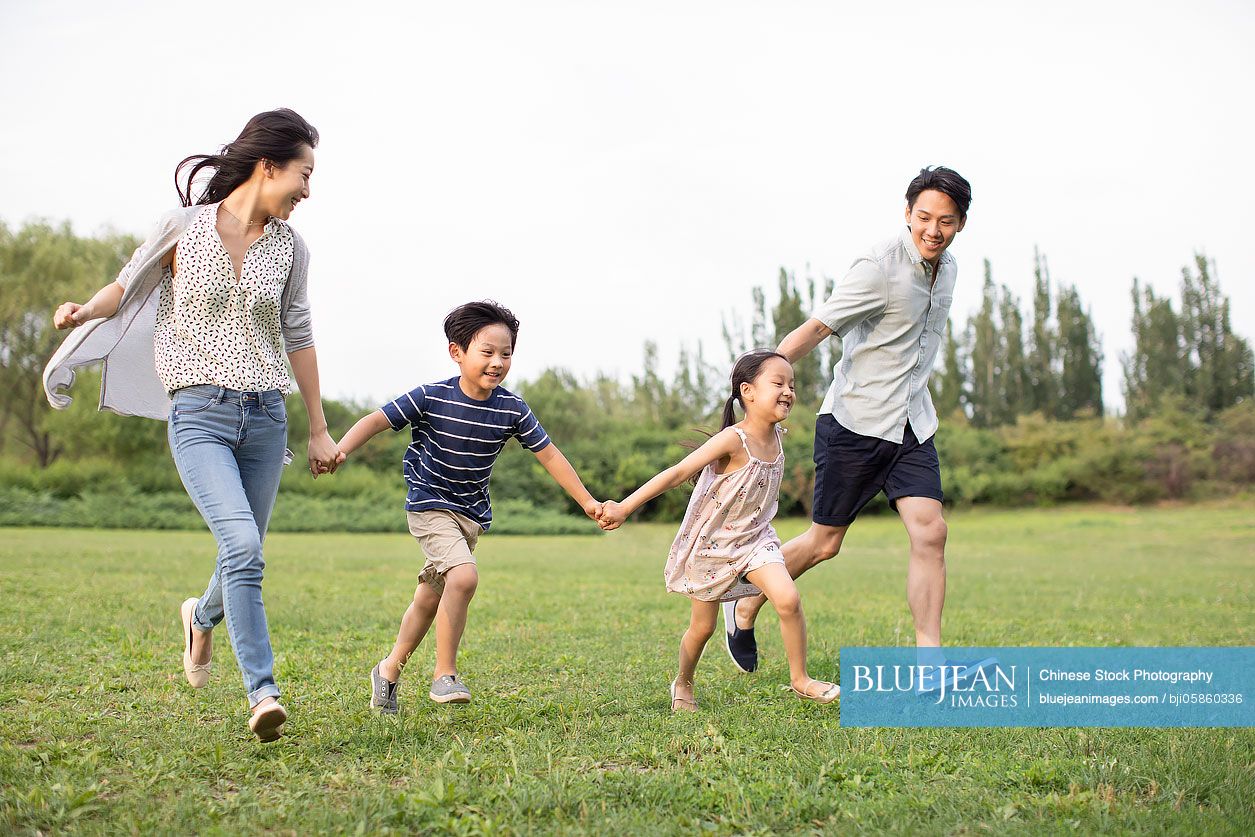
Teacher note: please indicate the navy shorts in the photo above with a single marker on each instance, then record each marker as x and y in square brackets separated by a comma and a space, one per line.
[851, 469]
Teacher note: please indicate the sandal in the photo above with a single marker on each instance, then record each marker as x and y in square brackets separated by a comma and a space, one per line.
[674, 700]
[197, 673]
[827, 696]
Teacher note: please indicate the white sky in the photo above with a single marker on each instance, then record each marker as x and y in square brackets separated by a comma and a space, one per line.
[625, 172]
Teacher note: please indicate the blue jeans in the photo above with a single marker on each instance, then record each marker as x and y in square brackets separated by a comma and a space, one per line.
[229, 448]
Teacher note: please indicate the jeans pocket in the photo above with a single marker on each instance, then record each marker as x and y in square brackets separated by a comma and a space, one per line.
[276, 410]
[186, 404]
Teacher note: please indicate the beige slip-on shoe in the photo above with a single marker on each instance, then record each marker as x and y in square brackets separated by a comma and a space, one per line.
[197, 673]
[267, 722]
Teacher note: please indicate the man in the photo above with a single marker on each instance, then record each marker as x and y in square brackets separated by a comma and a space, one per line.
[875, 429]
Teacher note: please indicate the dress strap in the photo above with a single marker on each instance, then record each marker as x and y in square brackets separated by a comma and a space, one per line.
[744, 444]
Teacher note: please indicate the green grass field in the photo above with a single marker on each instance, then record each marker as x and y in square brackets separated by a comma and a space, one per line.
[569, 650]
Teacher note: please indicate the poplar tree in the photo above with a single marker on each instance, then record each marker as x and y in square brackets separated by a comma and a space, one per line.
[1080, 358]
[1042, 384]
[982, 338]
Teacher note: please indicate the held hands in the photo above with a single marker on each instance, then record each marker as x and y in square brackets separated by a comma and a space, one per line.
[69, 315]
[324, 456]
[612, 516]
[593, 509]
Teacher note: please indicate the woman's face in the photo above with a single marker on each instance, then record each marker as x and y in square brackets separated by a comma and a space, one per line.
[287, 185]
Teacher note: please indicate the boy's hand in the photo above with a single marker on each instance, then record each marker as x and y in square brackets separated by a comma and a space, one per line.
[612, 516]
[593, 510]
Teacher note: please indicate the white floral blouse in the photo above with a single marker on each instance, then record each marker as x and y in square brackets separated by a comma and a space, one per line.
[213, 328]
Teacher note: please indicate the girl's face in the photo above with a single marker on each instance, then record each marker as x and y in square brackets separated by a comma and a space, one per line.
[287, 185]
[769, 397]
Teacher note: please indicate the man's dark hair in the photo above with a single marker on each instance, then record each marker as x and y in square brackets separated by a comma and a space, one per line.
[947, 181]
[465, 321]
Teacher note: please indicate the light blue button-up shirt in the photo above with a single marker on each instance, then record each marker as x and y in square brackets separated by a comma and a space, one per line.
[890, 313]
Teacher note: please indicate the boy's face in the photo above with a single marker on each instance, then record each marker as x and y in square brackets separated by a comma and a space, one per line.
[486, 361]
[934, 221]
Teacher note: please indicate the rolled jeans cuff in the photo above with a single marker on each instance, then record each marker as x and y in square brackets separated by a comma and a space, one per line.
[257, 696]
[198, 623]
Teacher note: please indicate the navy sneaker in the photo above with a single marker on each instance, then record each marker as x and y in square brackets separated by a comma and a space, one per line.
[741, 645]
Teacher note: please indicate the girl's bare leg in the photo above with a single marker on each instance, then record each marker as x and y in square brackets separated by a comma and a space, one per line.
[701, 626]
[777, 585]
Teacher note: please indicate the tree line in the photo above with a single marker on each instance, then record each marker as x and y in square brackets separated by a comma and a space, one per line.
[1020, 393]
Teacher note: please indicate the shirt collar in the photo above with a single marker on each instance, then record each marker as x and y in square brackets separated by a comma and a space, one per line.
[908, 243]
[912, 252]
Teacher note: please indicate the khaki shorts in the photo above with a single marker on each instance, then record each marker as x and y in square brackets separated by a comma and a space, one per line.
[447, 540]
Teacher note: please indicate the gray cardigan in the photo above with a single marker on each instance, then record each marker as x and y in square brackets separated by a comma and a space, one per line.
[129, 384]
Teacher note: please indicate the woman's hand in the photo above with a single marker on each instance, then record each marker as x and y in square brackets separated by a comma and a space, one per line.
[324, 456]
[69, 315]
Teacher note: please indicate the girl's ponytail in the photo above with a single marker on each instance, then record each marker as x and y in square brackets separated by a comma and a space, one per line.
[729, 410]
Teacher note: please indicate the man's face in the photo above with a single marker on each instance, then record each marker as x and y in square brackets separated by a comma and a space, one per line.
[934, 221]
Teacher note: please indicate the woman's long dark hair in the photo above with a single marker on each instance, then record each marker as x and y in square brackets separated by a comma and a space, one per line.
[744, 372]
[276, 135]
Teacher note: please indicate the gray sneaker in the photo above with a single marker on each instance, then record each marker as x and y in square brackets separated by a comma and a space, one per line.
[449, 689]
[383, 693]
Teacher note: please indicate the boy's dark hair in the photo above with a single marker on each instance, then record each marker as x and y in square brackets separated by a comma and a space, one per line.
[465, 321]
[947, 181]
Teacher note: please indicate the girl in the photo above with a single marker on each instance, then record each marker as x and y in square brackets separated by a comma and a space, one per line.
[196, 326]
[727, 538]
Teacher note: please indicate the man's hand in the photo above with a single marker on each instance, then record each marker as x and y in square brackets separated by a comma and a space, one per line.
[593, 510]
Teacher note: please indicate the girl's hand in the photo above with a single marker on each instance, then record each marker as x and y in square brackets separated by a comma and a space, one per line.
[68, 315]
[612, 516]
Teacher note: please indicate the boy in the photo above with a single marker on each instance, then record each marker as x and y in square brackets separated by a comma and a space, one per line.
[459, 427]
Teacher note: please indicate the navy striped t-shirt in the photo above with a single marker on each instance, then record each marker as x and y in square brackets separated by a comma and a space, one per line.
[456, 440]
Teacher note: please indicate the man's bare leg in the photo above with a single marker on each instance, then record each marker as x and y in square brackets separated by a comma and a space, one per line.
[814, 546]
[926, 573]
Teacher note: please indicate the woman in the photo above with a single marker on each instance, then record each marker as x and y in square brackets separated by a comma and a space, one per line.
[194, 330]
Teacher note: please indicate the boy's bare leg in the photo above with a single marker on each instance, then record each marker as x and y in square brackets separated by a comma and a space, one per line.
[701, 627]
[414, 626]
[775, 581]
[459, 588]
[814, 546]
[926, 573]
